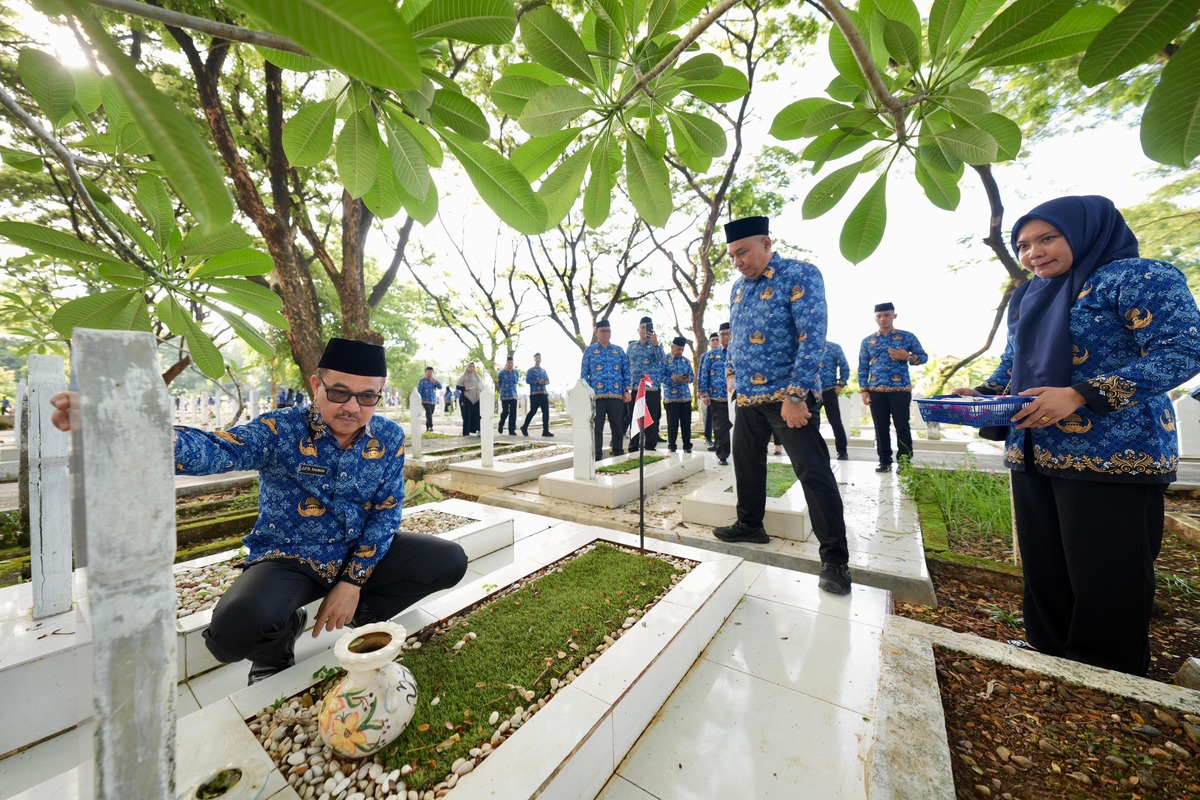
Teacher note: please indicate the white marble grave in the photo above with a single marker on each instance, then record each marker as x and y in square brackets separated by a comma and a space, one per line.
[612, 490]
[715, 505]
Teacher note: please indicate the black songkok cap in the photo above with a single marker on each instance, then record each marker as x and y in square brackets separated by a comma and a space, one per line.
[680, 341]
[884, 307]
[724, 326]
[354, 358]
[743, 228]
[602, 324]
[713, 336]
[645, 321]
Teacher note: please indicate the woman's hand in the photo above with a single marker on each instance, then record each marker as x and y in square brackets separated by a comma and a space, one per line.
[966, 391]
[64, 404]
[1051, 404]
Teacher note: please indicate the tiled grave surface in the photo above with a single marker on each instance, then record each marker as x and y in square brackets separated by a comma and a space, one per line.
[504, 472]
[713, 505]
[613, 490]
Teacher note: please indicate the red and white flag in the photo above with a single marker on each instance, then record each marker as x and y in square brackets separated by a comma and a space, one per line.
[641, 414]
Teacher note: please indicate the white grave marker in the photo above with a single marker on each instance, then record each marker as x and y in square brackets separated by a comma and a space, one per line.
[49, 492]
[487, 444]
[581, 405]
[416, 427]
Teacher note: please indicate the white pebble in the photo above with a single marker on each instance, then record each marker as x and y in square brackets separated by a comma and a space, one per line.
[375, 771]
[435, 701]
[296, 759]
[494, 718]
[458, 645]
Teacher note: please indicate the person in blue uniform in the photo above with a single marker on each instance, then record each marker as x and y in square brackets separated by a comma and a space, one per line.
[507, 380]
[428, 387]
[677, 395]
[1097, 337]
[331, 480]
[835, 371]
[646, 357]
[713, 390]
[778, 318]
[714, 341]
[883, 361]
[539, 400]
[605, 367]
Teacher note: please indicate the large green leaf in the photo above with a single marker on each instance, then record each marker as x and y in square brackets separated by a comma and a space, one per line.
[903, 11]
[560, 190]
[430, 146]
[21, 160]
[49, 82]
[423, 208]
[187, 162]
[648, 182]
[708, 136]
[864, 228]
[54, 243]
[512, 93]
[730, 85]
[209, 243]
[703, 67]
[124, 275]
[1144, 28]
[940, 187]
[943, 16]
[384, 198]
[535, 156]
[292, 61]
[172, 315]
[155, 205]
[903, 45]
[842, 57]
[205, 354]
[553, 43]
[454, 111]
[499, 184]
[1171, 124]
[635, 12]
[931, 151]
[656, 137]
[689, 10]
[606, 44]
[847, 118]
[597, 197]
[1020, 21]
[965, 100]
[1005, 132]
[247, 333]
[830, 190]
[610, 10]
[551, 109]
[407, 158]
[1070, 35]
[98, 310]
[789, 123]
[686, 148]
[832, 145]
[475, 21]
[240, 262]
[308, 135]
[970, 145]
[975, 14]
[87, 91]
[131, 227]
[661, 17]
[366, 39]
[357, 153]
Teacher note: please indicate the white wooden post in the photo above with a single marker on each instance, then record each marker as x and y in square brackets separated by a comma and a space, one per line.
[124, 445]
[219, 418]
[581, 405]
[416, 414]
[18, 410]
[252, 403]
[487, 436]
[49, 492]
[198, 412]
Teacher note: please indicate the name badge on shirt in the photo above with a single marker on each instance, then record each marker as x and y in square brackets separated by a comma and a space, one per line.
[313, 469]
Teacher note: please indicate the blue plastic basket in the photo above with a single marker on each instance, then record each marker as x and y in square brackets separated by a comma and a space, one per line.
[973, 411]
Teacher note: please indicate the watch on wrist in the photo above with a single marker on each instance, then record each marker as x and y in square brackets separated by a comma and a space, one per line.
[797, 400]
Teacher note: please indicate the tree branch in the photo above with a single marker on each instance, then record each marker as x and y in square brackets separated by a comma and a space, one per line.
[219, 30]
[381, 288]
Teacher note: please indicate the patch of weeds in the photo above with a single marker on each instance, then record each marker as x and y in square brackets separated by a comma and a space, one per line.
[780, 478]
[11, 533]
[629, 465]
[974, 502]
[418, 493]
[997, 614]
[1175, 585]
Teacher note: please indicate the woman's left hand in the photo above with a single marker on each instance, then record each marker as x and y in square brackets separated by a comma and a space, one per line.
[1051, 404]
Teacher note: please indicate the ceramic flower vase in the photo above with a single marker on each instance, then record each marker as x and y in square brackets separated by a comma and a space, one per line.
[374, 703]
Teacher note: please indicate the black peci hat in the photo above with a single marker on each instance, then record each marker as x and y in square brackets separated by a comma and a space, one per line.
[679, 341]
[602, 323]
[884, 307]
[724, 326]
[748, 226]
[354, 358]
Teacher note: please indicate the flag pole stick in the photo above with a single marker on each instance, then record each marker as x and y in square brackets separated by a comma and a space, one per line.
[642, 491]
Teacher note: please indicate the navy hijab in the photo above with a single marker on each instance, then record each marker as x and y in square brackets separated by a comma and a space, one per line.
[1040, 315]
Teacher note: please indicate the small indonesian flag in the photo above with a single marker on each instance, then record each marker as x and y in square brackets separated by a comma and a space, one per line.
[641, 414]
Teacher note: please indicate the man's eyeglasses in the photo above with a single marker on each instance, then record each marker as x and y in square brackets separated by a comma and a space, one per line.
[344, 395]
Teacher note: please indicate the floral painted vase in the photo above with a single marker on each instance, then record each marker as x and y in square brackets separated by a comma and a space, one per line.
[376, 700]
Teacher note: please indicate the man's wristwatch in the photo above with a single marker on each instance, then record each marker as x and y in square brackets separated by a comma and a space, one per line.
[796, 399]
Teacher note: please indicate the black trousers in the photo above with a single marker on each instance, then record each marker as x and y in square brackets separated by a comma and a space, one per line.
[538, 402]
[833, 413]
[428, 415]
[470, 416]
[708, 425]
[247, 621]
[1088, 551]
[721, 426]
[888, 408]
[612, 409]
[654, 404]
[679, 416]
[508, 411]
[810, 461]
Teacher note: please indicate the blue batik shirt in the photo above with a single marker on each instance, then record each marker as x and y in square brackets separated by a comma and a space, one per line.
[508, 379]
[678, 391]
[427, 388]
[1135, 335]
[835, 369]
[647, 359]
[332, 511]
[537, 379]
[606, 370]
[878, 371]
[777, 327]
[711, 383]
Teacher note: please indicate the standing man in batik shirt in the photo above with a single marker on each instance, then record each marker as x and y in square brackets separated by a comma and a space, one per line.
[646, 357]
[538, 380]
[507, 380]
[883, 362]
[428, 388]
[779, 317]
[714, 341]
[677, 395]
[331, 479]
[605, 367]
[713, 390]
[835, 371]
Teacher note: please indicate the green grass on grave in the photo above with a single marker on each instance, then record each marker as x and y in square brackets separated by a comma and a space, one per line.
[629, 465]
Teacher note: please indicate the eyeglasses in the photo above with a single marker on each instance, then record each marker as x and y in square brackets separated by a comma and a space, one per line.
[343, 396]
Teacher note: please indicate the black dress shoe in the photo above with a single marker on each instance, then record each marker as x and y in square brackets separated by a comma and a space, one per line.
[287, 649]
[723, 462]
[738, 533]
[524, 431]
[843, 457]
[547, 433]
[712, 448]
[835, 578]
[884, 468]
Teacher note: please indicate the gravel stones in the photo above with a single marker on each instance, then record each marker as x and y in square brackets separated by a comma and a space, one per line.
[432, 522]
[199, 588]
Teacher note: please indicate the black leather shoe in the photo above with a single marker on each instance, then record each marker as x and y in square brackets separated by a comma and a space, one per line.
[712, 448]
[738, 533]
[835, 578]
[287, 649]
[723, 462]
[547, 433]
[884, 468]
[843, 457]
[524, 431]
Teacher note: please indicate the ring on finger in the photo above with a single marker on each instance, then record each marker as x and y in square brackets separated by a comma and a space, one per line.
[1044, 419]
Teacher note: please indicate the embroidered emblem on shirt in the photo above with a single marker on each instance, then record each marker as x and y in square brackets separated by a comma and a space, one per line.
[737, 298]
[1167, 421]
[769, 272]
[229, 437]
[310, 507]
[366, 551]
[1078, 357]
[307, 448]
[803, 337]
[767, 293]
[1073, 423]
[797, 293]
[1087, 289]
[399, 451]
[270, 423]
[758, 379]
[373, 449]
[758, 337]
[386, 504]
[1138, 318]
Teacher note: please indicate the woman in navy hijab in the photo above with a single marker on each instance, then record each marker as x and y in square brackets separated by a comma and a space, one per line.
[1097, 337]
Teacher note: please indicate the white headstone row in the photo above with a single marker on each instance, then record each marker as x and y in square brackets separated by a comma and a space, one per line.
[49, 491]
